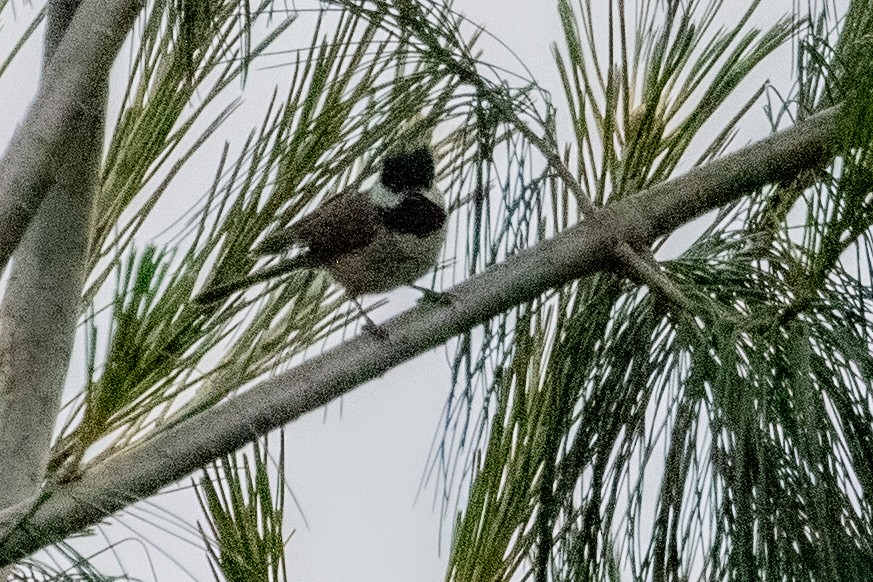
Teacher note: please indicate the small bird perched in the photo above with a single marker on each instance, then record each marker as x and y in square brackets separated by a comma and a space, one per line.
[370, 242]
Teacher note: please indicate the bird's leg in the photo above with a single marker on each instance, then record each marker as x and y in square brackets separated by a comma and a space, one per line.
[370, 326]
[434, 297]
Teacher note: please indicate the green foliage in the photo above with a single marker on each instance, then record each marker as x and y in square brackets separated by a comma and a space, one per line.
[245, 540]
[80, 570]
[156, 119]
[623, 436]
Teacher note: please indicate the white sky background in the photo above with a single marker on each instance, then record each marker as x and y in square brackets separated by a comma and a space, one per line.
[356, 466]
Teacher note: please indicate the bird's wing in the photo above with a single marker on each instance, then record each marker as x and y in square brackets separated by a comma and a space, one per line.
[341, 225]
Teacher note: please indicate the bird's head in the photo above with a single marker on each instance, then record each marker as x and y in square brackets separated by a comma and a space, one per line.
[406, 172]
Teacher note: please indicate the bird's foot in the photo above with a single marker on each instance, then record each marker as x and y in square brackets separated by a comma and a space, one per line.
[370, 326]
[434, 297]
[377, 331]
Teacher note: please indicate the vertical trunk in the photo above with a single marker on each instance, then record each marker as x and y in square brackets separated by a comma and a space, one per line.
[40, 308]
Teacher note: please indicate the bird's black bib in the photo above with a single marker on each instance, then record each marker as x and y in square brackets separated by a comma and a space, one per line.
[416, 214]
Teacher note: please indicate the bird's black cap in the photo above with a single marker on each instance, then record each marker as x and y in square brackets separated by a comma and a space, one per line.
[408, 170]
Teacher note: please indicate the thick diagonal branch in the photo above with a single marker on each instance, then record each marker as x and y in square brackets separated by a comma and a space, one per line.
[580, 251]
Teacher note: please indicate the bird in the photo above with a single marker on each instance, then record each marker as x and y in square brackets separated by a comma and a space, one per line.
[369, 241]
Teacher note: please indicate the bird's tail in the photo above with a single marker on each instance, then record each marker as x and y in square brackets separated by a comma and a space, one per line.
[219, 292]
[277, 242]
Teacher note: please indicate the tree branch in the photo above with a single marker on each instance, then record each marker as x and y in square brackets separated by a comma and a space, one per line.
[41, 305]
[79, 67]
[577, 252]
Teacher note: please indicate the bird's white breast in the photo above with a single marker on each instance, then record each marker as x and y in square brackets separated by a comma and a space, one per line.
[390, 261]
